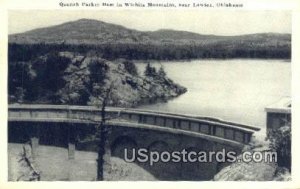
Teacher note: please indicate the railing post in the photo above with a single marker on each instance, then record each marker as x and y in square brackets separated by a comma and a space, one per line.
[71, 141]
[246, 138]
[30, 113]
[212, 129]
[129, 116]
[174, 123]
[200, 126]
[107, 154]
[233, 135]
[34, 140]
[214, 163]
[179, 124]
[144, 120]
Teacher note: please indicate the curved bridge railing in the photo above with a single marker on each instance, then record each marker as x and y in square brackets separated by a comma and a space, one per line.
[207, 127]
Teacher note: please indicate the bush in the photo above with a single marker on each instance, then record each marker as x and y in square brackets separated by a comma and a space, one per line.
[161, 72]
[130, 67]
[280, 141]
[98, 69]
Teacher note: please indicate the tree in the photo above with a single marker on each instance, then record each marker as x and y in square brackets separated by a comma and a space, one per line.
[280, 142]
[98, 69]
[150, 71]
[130, 67]
[20, 78]
[161, 72]
[102, 133]
[19, 94]
[49, 77]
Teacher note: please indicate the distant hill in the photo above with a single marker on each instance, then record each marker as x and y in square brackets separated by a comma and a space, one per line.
[181, 35]
[89, 31]
[81, 31]
[114, 41]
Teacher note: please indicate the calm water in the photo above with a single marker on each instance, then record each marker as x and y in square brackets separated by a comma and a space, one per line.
[234, 90]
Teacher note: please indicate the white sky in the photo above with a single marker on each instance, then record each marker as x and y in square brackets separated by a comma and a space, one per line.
[204, 22]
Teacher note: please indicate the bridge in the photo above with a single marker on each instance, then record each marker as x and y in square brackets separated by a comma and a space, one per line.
[130, 128]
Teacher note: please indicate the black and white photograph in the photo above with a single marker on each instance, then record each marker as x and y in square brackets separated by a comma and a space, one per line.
[152, 95]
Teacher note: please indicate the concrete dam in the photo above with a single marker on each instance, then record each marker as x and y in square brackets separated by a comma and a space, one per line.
[71, 126]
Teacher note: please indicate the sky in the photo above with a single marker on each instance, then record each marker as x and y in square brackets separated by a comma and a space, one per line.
[203, 22]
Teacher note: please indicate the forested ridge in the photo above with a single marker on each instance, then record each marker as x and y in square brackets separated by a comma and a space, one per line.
[140, 51]
[113, 41]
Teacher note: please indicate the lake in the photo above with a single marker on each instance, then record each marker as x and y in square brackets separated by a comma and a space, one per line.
[236, 90]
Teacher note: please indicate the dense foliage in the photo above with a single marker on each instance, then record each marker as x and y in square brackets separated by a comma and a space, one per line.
[150, 71]
[40, 79]
[130, 67]
[154, 51]
[280, 141]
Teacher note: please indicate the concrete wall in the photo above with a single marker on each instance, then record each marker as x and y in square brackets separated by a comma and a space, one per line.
[75, 136]
[151, 140]
[73, 128]
[212, 127]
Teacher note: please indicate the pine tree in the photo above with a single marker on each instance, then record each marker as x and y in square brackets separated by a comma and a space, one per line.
[150, 71]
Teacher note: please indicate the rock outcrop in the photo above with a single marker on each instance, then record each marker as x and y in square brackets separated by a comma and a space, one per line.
[89, 80]
[254, 171]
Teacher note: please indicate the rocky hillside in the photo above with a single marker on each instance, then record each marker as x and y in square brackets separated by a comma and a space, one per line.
[70, 78]
[254, 171]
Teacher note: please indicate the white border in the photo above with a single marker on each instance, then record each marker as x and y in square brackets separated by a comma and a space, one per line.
[292, 5]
